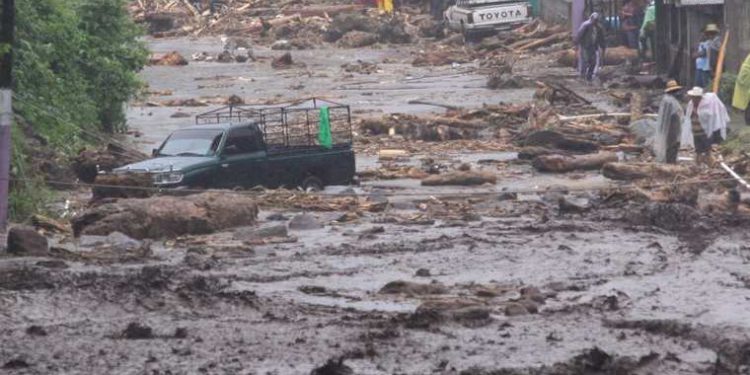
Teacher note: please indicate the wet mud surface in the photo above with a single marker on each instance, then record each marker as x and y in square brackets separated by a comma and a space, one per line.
[493, 279]
[566, 296]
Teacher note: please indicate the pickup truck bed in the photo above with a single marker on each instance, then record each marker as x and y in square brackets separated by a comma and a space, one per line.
[246, 146]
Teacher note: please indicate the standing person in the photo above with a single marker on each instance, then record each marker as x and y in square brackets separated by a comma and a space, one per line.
[709, 120]
[631, 15]
[669, 124]
[648, 32]
[703, 55]
[591, 44]
[741, 98]
[700, 140]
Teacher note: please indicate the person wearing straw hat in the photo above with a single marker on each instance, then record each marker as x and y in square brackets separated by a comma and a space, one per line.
[708, 122]
[669, 124]
[706, 54]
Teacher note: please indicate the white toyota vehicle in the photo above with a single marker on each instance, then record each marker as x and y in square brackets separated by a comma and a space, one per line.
[477, 17]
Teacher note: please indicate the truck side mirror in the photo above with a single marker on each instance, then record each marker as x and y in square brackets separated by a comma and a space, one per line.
[155, 152]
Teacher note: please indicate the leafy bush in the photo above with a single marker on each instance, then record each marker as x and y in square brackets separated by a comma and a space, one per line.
[75, 66]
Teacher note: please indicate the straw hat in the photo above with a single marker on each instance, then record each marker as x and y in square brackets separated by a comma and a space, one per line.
[711, 27]
[696, 91]
[672, 86]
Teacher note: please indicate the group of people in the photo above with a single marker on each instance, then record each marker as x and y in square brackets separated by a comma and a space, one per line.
[638, 20]
[700, 125]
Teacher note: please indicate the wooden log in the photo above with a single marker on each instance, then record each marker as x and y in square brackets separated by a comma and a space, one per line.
[637, 171]
[552, 139]
[562, 164]
[614, 56]
[460, 178]
[530, 153]
[127, 185]
[552, 39]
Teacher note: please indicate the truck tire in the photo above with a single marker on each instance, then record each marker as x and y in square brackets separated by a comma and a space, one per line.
[312, 184]
[747, 115]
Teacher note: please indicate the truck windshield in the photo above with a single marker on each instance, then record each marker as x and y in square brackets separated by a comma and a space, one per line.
[192, 142]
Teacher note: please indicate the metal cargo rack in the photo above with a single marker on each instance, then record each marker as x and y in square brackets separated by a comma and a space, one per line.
[288, 127]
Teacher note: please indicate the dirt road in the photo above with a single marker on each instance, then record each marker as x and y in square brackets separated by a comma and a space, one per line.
[509, 278]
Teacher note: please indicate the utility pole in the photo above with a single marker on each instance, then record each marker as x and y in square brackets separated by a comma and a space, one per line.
[7, 29]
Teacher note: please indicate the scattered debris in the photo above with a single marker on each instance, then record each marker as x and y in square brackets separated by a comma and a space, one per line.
[462, 178]
[562, 164]
[170, 59]
[89, 163]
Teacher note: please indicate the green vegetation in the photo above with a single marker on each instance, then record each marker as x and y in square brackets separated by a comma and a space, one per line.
[75, 66]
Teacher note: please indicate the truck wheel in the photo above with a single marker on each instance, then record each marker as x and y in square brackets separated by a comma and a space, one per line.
[312, 184]
[747, 115]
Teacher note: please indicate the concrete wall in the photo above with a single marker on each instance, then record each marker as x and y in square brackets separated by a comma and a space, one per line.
[737, 18]
[556, 11]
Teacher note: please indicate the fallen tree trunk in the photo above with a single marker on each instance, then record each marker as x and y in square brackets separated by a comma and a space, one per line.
[127, 185]
[529, 153]
[552, 139]
[169, 217]
[562, 163]
[88, 163]
[552, 39]
[613, 56]
[637, 171]
[460, 178]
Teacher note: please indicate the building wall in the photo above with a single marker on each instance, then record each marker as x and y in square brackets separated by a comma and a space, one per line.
[556, 11]
[737, 18]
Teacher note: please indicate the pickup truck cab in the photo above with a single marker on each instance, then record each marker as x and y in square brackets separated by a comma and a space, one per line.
[261, 149]
[476, 17]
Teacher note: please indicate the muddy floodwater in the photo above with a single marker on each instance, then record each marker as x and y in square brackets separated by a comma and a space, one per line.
[496, 279]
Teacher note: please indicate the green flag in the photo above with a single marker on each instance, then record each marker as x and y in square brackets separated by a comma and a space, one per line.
[324, 132]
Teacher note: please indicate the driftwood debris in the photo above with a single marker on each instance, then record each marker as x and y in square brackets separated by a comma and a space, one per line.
[614, 56]
[460, 178]
[638, 171]
[553, 139]
[562, 164]
[125, 185]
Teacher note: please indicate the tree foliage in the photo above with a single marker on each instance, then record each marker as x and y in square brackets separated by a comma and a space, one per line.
[75, 67]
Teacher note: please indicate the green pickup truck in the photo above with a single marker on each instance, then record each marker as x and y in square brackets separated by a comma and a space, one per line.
[306, 144]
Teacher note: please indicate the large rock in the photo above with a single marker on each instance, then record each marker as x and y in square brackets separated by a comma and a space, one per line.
[169, 217]
[357, 39]
[304, 222]
[25, 241]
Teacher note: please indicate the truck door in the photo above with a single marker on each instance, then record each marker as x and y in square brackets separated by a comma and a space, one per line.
[243, 158]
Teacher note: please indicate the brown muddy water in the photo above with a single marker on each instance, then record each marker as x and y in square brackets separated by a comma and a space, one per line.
[511, 285]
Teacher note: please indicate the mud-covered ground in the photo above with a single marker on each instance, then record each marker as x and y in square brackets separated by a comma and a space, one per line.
[469, 280]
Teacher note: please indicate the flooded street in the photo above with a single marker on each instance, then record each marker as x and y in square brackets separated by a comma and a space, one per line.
[528, 273]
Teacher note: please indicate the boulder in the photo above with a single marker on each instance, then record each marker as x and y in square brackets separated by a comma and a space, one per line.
[168, 217]
[25, 241]
[357, 39]
[305, 222]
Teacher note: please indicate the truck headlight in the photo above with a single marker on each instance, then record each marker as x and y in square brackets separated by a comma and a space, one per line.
[167, 178]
